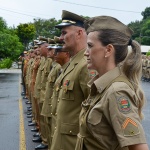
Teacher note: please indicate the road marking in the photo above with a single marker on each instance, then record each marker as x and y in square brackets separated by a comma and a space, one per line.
[22, 131]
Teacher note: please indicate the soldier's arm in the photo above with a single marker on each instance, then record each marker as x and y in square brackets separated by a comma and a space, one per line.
[138, 147]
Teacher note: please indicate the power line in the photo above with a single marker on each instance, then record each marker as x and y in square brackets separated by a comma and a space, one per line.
[19, 13]
[128, 11]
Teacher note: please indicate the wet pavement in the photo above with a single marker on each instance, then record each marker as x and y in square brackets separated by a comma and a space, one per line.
[15, 133]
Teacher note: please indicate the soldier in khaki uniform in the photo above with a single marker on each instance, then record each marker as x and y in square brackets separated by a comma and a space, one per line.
[37, 87]
[61, 57]
[73, 84]
[111, 116]
[53, 75]
[45, 71]
[33, 79]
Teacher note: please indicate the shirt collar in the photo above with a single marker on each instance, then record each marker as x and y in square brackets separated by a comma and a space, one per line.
[100, 83]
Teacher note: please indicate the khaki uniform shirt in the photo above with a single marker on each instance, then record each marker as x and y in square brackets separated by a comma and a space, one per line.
[37, 86]
[55, 100]
[111, 120]
[45, 71]
[73, 90]
[54, 73]
[34, 73]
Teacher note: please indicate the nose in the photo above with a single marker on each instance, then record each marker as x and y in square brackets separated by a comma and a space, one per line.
[86, 53]
[61, 38]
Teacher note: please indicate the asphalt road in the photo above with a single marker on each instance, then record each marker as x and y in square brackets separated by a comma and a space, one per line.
[11, 137]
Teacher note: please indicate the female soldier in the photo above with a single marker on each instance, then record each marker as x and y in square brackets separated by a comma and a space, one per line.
[111, 116]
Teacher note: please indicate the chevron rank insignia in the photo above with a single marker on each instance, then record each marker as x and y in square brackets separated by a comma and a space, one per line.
[130, 127]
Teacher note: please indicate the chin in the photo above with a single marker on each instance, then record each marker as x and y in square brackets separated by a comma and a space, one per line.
[89, 66]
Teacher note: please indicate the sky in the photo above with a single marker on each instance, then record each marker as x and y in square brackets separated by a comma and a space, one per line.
[15, 12]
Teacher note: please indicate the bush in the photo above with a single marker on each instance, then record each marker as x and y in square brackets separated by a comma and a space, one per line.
[5, 63]
[148, 53]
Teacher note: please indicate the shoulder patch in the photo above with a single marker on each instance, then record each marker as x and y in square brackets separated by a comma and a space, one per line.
[130, 127]
[124, 105]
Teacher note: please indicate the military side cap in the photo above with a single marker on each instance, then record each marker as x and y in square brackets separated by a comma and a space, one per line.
[41, 38]
[51, 41]
[57, 40]
[35, 46]
[106, 22]
[69, 18]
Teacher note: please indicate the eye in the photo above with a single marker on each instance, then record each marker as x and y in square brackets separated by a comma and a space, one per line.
[63, 32]
[89, 45]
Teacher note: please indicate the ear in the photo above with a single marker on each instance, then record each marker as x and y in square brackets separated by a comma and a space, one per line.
[109, 50]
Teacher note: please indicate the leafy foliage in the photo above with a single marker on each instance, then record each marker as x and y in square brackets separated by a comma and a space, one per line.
[5, 63]
[146, 13]
[9, 46]
[25, 32]
[46, 28]
[142, 28]
[3, 24]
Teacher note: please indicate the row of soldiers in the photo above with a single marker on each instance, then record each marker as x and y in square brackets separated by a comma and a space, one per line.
[42, 70]
[56, 80]
[146, 68]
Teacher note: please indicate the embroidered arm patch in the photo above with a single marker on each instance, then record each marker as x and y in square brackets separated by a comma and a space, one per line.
[124, 105]
[130, 127]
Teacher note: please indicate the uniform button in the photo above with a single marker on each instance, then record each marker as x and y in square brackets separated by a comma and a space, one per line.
[52, 97]
[56, 114]
[51, 105]
[70, 131]
[55, 128]
[51, 113]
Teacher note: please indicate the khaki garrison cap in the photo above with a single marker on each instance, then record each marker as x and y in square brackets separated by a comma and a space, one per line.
[57, 40]
[69, 18]
[106, 22]
[42, 40]
[51, 41]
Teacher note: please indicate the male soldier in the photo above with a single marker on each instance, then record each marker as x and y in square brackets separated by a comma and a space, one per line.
[73, 84]
[62, 57]
[49, 90]
[43, 52]
[47, 67]
[34, 70]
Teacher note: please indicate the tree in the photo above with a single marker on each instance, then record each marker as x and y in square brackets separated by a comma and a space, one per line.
[26, 33]
[46, 28]
[146, 13]
[136, 27]
[10, 46]
[146, 32]
[3, 24]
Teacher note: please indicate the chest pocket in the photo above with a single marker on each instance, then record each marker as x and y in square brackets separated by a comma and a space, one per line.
[94, 117]
[67, 90]
[98, 125]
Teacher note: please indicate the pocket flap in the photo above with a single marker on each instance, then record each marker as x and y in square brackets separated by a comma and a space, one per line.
[71, 129]
[94, 117]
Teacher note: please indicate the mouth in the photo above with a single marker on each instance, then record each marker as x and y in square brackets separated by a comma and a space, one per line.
[88, 60]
